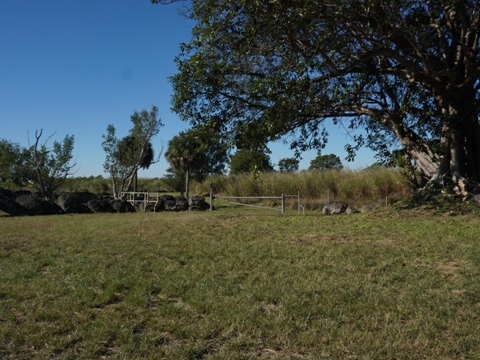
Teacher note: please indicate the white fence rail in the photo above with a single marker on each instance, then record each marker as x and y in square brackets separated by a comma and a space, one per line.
[283, 197]
[136, 198]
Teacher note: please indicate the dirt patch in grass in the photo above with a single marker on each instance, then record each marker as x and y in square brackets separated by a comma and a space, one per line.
[449, 268]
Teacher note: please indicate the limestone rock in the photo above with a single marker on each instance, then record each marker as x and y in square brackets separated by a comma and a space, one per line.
[334, 208]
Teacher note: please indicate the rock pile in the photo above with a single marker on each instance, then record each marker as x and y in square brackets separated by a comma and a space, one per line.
[26, 203]
[178, 203]
[337, 208]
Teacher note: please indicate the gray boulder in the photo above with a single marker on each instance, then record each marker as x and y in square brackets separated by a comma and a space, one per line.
[9, 205]
[72, 203]
[334, 208]
[152, 206]
[351, 210]
[122, 206]
[37, 206]
[169, 203]
[181, 204]
[100, 206]
[197, 203]
[178, 203]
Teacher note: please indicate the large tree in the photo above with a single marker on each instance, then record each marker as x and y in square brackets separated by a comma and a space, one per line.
[400, 69]
[125, 156]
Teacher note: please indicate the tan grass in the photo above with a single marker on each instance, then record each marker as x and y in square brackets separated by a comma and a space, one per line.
[316, 188]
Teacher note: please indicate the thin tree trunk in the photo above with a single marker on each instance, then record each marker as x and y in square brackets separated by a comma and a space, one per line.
[114, 188]
[135, 184]
[181, 187]
[187, 183]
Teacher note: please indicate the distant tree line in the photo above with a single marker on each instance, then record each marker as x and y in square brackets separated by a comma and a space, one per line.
[192, 154]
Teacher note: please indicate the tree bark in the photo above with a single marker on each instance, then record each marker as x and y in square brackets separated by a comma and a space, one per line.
[187, 182]
[460, 139]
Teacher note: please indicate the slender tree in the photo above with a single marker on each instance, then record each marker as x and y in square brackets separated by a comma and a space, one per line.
[125, 156]
[128, 151]
[195, 154]
[51, 166]
[183, 155]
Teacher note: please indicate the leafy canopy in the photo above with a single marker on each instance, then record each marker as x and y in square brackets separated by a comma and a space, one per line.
[194, 155]
[288, 165]
[326, 162]
[405, 72]
[14, 165]
[245, 161]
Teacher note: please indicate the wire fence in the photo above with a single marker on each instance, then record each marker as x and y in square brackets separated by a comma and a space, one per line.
[236, 200]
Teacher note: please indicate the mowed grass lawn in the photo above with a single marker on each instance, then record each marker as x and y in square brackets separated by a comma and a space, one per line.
[240, 285]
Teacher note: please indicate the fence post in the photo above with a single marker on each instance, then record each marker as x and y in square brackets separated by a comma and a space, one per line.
[298, 203]
[211, 192]
[283, 204]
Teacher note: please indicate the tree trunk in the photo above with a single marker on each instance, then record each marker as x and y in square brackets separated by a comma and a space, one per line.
[187, 183]
[460, 140]
[424, 157]
[458, 162]
[135, 184]
[181, 186]
[114, 188]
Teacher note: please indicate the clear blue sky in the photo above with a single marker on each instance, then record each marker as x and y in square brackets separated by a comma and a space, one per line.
[73, 67]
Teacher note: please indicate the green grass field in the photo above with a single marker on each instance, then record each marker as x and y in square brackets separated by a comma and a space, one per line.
[238, 284]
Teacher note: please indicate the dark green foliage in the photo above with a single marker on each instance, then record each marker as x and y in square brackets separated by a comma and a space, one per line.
[44, 168]
[128, 149]
[193, 155]
[403, 73]
[325, 162]
[246, 161]
[288, 165]
[173, 180]
[15, 169]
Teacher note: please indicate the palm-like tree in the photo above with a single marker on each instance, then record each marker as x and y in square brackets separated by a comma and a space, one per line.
[131, 151]
[181, 154]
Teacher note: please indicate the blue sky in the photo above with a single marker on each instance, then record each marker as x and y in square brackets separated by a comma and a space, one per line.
[73, 67]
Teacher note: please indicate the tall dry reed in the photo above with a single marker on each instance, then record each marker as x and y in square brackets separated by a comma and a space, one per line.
[315, 187]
